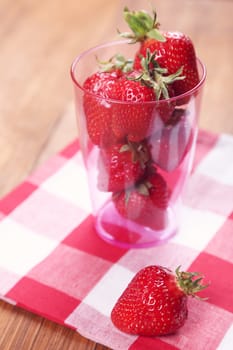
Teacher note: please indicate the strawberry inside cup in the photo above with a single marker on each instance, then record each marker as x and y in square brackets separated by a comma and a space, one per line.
[122, 165]
[138, 126]
[122, 232]
[170, 144]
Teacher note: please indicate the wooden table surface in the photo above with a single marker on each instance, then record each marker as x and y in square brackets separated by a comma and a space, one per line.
[38, 41]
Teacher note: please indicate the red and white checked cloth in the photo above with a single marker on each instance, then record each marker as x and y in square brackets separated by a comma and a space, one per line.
[53, 264]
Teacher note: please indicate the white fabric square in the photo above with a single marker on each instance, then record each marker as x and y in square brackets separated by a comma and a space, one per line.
[197, 227]
[227, 342]
[49, 215]
[9, 301]
[20, 248]
[109, 288]
[94, 325]
[70, 182]
[218, 163]
[159, 255]
[8, 280]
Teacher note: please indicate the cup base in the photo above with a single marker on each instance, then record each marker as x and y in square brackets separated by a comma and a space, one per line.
[124, 233]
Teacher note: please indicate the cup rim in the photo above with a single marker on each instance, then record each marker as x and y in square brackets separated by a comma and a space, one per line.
[118, 42]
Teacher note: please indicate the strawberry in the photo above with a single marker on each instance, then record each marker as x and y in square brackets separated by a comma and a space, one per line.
[177, 51]
[155, 301]
[121, 166]
[136, 117]
[98, 89]
[145, 203]
[173, 49]
[170, 144]
[98, 114]
[133, 120]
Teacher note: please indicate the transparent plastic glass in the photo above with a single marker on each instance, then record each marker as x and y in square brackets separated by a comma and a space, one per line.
[121, 219]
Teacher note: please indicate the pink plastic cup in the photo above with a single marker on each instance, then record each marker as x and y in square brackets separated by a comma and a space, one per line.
[121, 217]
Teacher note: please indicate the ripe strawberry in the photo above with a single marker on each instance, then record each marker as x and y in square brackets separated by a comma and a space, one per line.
[98, 114]
[138, 114]
[121, 166]
[173, 49]
[155, 301]
[133, 120]
[162, 83]
[145, 203]
[98, 89]
[177, 51]
[170, 144]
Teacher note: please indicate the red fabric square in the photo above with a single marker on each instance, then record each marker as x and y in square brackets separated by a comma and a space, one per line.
[71, 149]
[219, 273]
[43, 300]
[85, 238]
[2, 216]
[17, 196]
[71, 271]
[143, 343]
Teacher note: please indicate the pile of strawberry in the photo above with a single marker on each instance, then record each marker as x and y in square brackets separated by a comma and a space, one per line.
[135, 135]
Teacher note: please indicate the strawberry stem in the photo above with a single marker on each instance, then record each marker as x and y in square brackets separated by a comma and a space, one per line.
[116, 62]
[189, 283]
[142, 25]
[155, 76]
[139, 152]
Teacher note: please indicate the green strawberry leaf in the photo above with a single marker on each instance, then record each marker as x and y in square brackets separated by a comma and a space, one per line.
[175, 76]
[156, 34]
[187, 282]
[116, 62]
[139, 22]
[143, 25]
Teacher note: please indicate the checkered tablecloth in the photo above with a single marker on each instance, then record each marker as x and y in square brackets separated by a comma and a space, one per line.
[53, 263]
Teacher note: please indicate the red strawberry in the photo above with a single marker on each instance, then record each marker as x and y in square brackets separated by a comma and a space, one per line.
[155, 301]
[121, 166]
[133, 120]
[145, 203]
[173, 50]
[97, 111]
[162, 83]
[169, 145]
[138, 116]
[177, 51]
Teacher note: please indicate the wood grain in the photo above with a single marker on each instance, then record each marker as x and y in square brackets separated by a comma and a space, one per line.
[39, 39]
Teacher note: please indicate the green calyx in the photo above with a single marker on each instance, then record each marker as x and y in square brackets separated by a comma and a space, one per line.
[142, 25]
[116, 62]
[139, 153]
[157, 77]
[143, 189]
[190, 282]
